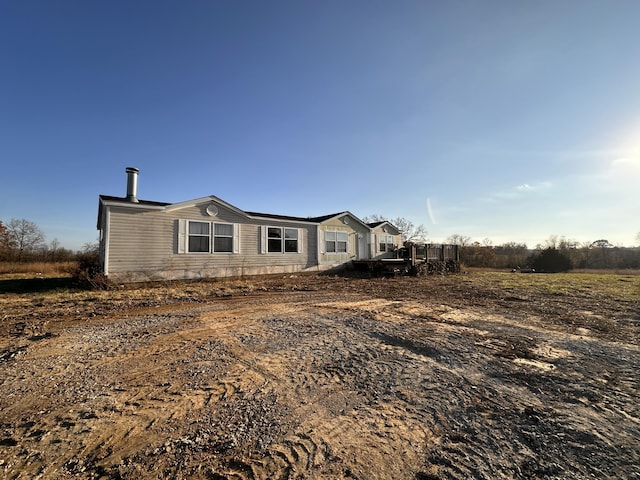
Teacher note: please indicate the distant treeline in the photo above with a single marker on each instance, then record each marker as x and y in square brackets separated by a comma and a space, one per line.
[559, 257]
[22, 241]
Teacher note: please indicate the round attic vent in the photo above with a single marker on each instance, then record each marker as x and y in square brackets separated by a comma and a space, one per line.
[212, 210]
[345, 220]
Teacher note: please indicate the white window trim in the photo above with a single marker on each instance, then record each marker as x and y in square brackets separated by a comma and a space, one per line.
[387, 249]
[189, 235]
[264, 240]
[232, 236]
[236, 238]
[324, 242]
[183, 237]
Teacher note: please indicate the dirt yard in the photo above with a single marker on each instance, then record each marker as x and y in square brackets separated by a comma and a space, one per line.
[483, 376]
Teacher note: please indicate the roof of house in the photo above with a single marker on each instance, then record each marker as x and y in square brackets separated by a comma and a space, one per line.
[296, 219]
[110, 198]
[320, 219]
[373, 225]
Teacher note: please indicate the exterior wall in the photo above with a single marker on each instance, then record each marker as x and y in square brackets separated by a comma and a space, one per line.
[143, 245]
[353, 228]
[102, 243]
[375, 244]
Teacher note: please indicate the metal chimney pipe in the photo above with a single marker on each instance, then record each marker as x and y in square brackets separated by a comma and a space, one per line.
[132, 184]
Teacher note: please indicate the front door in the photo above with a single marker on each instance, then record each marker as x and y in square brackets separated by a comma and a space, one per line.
[363, 247]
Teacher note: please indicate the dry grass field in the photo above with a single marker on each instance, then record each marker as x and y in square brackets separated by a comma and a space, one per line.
[12, 270]
[485, 375]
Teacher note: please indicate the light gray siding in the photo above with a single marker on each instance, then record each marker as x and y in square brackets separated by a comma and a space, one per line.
[352, 227]
[379, 231]
[143, 245]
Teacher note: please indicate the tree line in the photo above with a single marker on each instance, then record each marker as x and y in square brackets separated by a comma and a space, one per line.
[22, 240]
[556, 254]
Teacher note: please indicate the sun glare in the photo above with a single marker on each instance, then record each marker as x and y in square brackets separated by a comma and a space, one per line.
[627, 165]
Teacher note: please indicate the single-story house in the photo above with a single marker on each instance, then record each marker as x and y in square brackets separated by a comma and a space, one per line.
[206, 237]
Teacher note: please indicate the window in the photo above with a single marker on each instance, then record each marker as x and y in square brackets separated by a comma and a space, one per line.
[282, 240]
[336, 242]
[385, 243]
[291, 240]
[223, 237]
[330, 241]
[274, 239]
[207, 237]
[199, 237]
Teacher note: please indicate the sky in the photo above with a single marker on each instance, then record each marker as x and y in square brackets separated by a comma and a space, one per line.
[500, 120]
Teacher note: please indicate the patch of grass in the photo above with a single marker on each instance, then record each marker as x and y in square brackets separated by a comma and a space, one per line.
[619, 287]
[18, 270]
[596, 301]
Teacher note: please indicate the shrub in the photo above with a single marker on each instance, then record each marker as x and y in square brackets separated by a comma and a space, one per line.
[88, 273]
[550, 260]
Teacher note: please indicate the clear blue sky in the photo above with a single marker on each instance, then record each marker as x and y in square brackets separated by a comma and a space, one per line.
[506, 120]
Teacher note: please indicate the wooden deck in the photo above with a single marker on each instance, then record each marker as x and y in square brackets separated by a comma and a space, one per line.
[414, 259]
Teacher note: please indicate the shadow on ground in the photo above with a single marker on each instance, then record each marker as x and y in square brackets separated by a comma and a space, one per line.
[37, 285]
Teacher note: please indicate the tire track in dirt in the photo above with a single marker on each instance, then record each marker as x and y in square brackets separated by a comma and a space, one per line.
[345, 381]
[362, 372]
[107, 389]
[305, 388]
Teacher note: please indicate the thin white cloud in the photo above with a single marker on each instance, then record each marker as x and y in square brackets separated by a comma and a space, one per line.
[520, 191]
[432, 217]
[617, 177]
[559, 154]
[627, 164]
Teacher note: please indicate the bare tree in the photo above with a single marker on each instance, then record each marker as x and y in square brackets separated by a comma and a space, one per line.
[551, 242]
[409, 231]
[457, 239]
[6, 243]
[558, 242]
[603, 243]
[512, 254]
[25, 235]
[568, 244]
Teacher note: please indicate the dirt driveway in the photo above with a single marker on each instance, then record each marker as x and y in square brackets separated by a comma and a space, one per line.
[320, 377]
